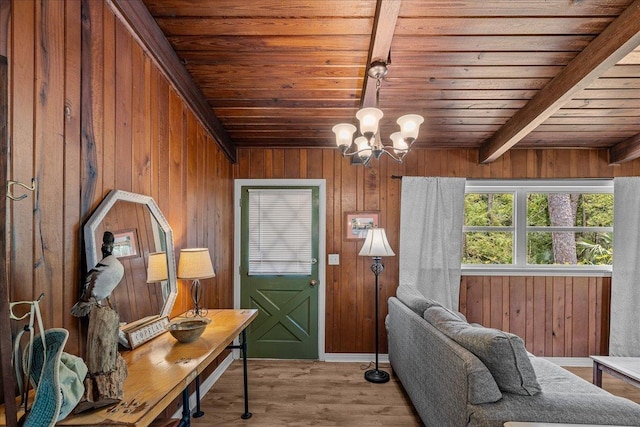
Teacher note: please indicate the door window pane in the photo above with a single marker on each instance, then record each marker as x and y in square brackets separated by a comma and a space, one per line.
[280, 231]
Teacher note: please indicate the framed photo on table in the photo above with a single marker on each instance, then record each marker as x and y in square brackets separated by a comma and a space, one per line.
[358, 223]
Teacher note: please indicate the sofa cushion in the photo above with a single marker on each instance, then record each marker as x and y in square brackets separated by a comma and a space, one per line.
[412, 298]
[418, 303]
[503, 353]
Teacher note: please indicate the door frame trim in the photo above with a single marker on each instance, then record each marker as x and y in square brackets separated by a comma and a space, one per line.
[322, 237]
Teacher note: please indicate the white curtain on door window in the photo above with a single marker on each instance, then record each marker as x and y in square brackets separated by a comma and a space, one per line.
[279, 230]
[431, 219]
[624, 338]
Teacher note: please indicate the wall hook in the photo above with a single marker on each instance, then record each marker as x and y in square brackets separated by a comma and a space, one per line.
[10, 184]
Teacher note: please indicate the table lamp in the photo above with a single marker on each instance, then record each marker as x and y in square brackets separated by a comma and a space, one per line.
[157, 267]
[376, 245]
[195, 264]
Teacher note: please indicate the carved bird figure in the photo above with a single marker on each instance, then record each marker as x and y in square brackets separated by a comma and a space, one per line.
[101, 280]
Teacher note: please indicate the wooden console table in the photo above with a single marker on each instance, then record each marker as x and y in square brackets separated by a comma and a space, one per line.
[162, 369]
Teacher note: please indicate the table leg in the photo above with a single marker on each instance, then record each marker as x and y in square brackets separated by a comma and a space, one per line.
[198, 412]
[597, 374]
[246, 414]
[185, 421]
[243, 348]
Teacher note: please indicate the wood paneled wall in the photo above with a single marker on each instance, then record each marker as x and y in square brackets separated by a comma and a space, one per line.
[550, 313]
[556, 316]
[90, 112]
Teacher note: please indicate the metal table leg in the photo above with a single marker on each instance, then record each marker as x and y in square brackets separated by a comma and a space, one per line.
[185, 421]
[243, 348]
[198, 413]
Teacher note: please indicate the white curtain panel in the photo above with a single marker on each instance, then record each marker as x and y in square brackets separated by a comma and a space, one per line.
[624, 337]
[431, 219]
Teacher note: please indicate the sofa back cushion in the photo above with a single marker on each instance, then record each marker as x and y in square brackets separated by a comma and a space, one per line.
[503, 353]
[418, 303]
[412, 298]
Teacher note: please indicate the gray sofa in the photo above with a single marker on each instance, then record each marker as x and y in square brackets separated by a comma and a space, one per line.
[450, 386]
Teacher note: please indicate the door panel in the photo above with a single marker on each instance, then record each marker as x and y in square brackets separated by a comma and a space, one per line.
[287, 323]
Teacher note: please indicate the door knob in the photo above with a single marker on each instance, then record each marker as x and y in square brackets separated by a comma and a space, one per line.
[313, 282]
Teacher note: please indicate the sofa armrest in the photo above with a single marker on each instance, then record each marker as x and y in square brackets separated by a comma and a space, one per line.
[438, 375]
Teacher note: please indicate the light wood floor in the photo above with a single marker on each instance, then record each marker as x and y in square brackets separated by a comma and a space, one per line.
[301, 393]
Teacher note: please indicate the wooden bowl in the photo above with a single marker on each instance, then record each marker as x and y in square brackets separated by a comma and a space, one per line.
[188, 329]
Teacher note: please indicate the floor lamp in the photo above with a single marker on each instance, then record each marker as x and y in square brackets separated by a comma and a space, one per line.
[376, 246]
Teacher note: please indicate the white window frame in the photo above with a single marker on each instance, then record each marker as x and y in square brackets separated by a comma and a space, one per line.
[520, 188]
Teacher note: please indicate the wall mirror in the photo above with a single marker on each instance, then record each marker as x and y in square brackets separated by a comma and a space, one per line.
[139, 228]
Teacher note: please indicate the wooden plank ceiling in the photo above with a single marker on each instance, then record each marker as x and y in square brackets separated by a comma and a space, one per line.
[488, 74]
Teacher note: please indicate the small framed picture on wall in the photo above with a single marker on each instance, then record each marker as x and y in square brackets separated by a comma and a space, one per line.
[126, 243]
[358, 223]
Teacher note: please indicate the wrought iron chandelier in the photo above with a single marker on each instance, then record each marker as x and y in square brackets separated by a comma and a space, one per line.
[369, 145]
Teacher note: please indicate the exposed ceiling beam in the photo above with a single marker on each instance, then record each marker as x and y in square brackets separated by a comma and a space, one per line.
[627, 150]
[384, 25]
[617, 40]
[136, 15]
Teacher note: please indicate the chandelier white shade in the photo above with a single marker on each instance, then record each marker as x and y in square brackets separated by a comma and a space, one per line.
[369, 144]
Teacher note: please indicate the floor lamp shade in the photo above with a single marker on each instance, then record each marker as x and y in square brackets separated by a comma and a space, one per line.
[157, 267]
[376, 244]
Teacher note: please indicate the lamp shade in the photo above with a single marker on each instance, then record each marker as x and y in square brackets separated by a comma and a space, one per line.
[157, 267]
[409, 126]
[344, 134]
[399, 144]
[369, 118]
[195, 264]
[364, 150]
[376, 244]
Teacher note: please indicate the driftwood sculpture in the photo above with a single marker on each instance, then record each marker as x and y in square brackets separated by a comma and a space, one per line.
[107, 369]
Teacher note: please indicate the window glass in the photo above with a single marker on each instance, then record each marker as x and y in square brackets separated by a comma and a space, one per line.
[596, 210]
[580, 248]
[487, 247]
[489, 209]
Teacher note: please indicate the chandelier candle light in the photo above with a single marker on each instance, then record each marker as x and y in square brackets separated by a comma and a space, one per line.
[377, 246]
[369, 144]
[195, 264]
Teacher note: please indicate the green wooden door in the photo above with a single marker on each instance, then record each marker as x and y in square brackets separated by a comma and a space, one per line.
[283, 285]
